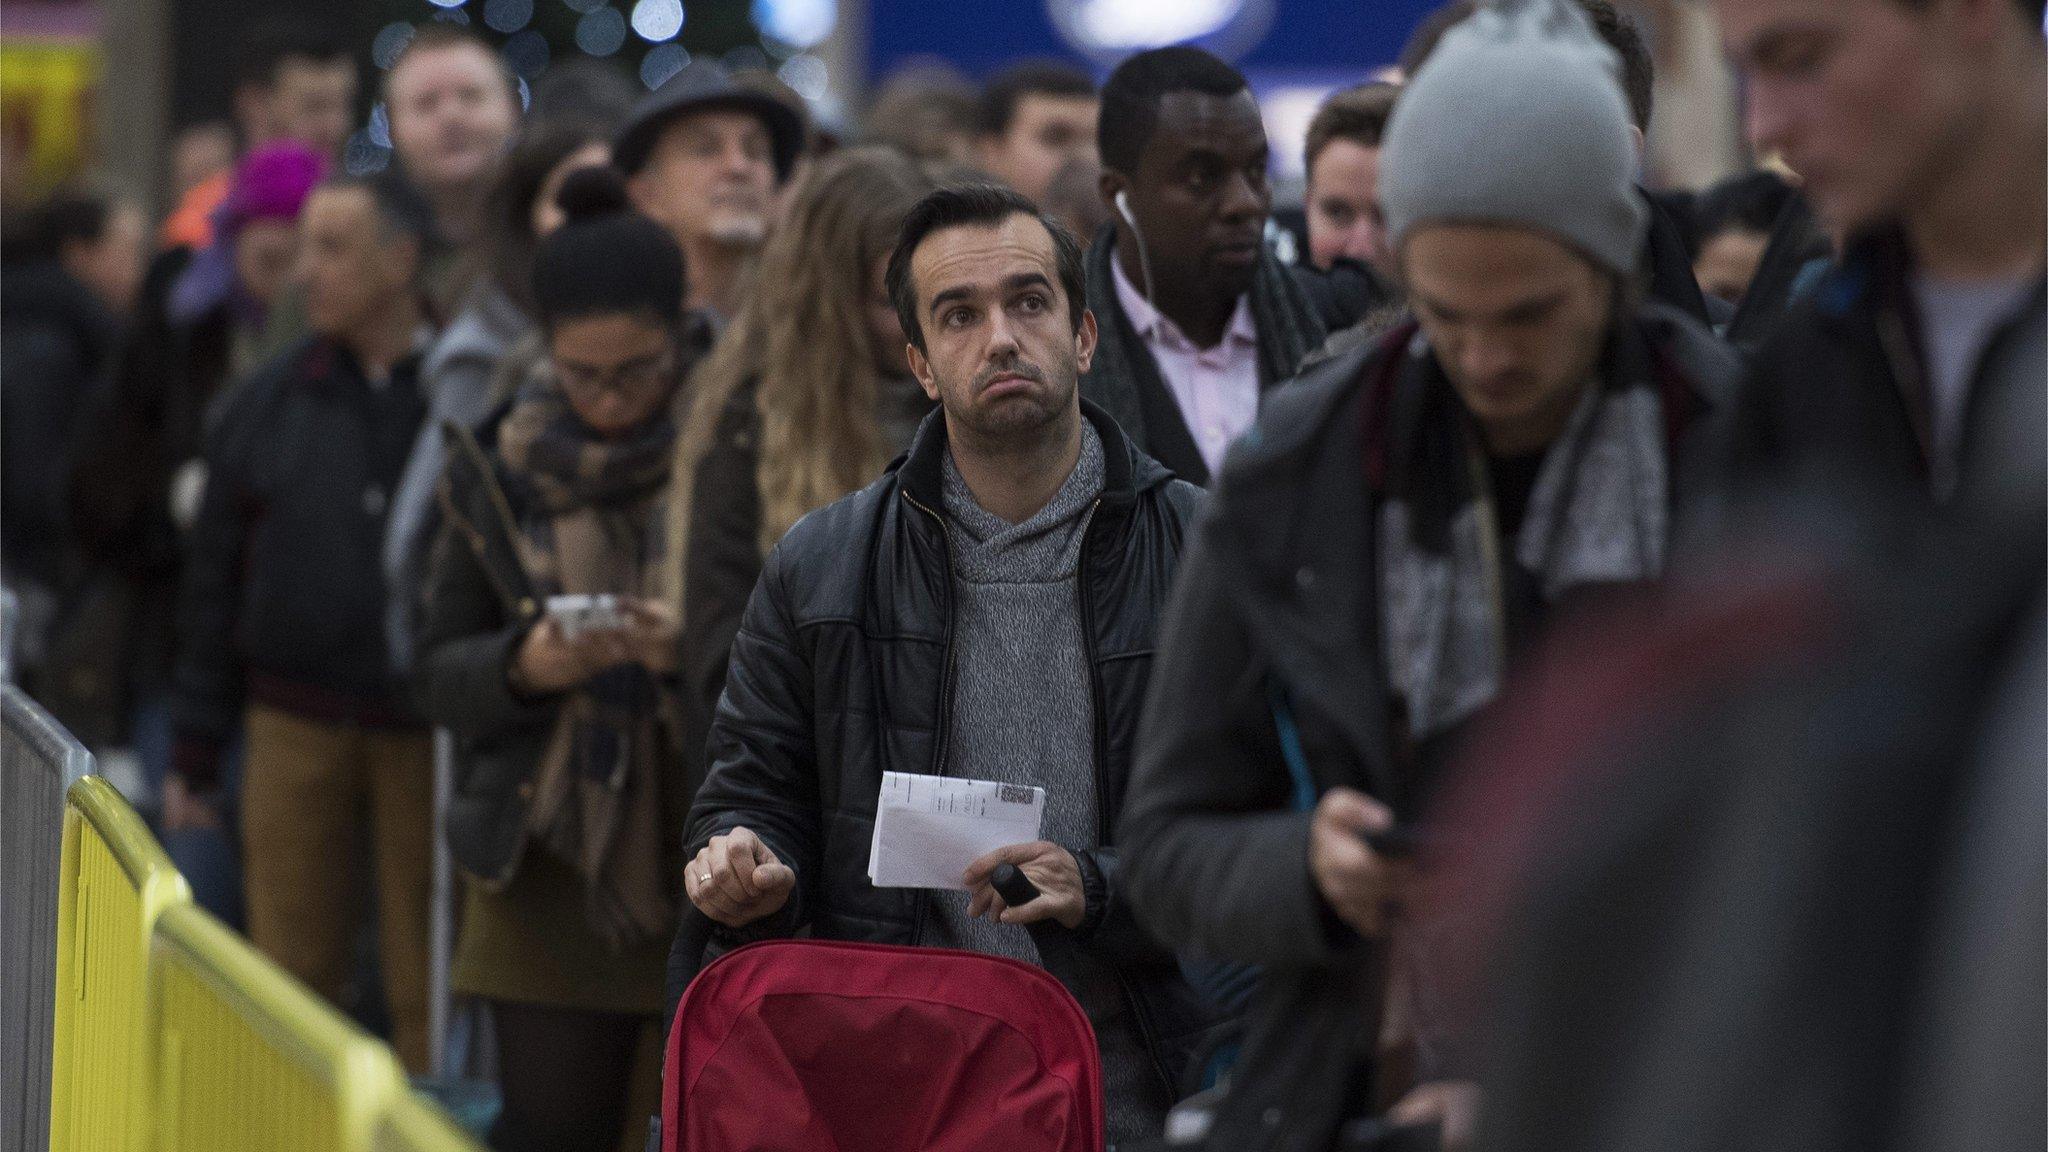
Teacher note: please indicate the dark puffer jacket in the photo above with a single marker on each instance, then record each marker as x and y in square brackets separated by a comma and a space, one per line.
[842, 671]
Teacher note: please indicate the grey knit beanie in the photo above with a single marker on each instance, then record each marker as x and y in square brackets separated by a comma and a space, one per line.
[1518, 118]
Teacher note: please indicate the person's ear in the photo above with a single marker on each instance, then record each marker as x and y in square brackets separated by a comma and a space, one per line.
[922, 369]
[1084, 341]
[1108, 185]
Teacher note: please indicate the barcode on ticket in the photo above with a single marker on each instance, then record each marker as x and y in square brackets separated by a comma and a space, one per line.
[1014, 794]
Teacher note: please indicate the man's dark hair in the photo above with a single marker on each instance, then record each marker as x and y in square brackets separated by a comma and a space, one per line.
[1638, 70]
[401, 209]
[1131, 96]
[1008, 88]
[65, 217]
[975, 205]
[1751, 202]
[440, 37]
[1355, 114]
[275, 41]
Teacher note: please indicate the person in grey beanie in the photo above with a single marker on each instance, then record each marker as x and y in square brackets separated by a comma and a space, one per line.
[1401, 525]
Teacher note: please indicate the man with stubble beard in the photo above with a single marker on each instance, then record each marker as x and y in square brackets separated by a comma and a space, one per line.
[985, 611]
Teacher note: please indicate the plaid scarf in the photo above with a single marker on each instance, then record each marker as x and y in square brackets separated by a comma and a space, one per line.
[1599, 514]
[594, 520]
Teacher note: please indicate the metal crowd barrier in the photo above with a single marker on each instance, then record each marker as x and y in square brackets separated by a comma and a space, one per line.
[38, 761]
[170, 1032]
[116, 882]
[248, 1059]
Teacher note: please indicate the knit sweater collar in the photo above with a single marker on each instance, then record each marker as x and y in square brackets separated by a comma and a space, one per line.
[1043, 547]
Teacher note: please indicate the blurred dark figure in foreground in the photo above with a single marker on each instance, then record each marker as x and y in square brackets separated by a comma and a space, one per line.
[1921, 131]
[1764, 868]
[1405, 522]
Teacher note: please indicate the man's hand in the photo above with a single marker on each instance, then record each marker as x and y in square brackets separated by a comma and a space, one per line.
[1453, 1105]
[183, 810]
[548, 662]
[1050, 867]
[652, 633]
[736, 880]
[1361, 886]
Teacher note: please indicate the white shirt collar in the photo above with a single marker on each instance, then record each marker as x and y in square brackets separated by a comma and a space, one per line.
[1155, 326]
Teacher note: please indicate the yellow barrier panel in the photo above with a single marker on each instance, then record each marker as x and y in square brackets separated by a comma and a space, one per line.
[414, 1125]
[115, 882]
[249, 1060]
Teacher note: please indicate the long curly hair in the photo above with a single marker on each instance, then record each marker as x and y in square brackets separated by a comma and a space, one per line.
[803, 338]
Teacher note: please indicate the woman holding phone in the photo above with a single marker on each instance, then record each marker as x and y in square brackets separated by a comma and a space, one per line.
[568, 795]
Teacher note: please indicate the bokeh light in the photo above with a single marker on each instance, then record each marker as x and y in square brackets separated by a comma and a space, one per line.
[528, 53]
[807, 76]
[362, 156]
[508, 16]
[601, 32]
[658, 20]
[744, 58]
[800, 23]
[584, 5]
[447, 3]
[390, 41]
[380, 126]
[661, 62]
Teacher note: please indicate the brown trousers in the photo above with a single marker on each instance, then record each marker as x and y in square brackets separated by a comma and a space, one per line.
[308, 789]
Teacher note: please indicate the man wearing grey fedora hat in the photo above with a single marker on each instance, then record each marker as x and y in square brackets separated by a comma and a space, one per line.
[703, 155]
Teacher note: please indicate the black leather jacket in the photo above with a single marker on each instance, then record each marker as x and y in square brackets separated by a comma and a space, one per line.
[842, 670]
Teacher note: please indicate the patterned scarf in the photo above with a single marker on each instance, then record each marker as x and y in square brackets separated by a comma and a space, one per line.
[1599, 514]
[595, 521]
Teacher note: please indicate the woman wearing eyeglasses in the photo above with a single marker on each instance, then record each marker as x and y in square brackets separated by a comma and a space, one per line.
[568, 794]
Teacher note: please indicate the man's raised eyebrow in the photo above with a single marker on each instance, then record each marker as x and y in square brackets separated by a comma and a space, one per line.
[1023, 280]
[962, 292]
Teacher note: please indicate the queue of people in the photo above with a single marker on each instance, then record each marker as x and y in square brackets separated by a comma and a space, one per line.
[691, 473]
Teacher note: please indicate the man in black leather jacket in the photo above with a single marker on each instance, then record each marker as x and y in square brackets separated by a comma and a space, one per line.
[986, 610]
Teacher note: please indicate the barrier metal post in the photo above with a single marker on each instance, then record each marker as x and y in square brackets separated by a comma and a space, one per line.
[116, 882]
[248, 1059]
[38, 761]
[441, 937]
